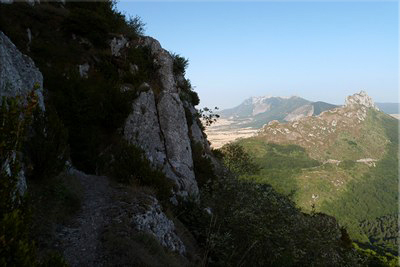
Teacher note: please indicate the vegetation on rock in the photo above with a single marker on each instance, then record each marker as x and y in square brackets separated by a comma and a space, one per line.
[16, 246]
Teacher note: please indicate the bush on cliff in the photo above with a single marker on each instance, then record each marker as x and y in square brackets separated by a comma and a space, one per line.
[16, 247]
[47, 148]
[127, 164]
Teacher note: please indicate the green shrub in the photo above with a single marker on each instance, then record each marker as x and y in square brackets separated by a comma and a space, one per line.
[147, 69]
[136, 26]
[124, 246]
[127, 164]
[347, 164]
[95, 20]
[252, 225]
[188, 94]
[237, 160]
[16, 247]
[180, 64]
[194, 98]
[203, 168]
[47, 148]
[87, 23]
[91, 109]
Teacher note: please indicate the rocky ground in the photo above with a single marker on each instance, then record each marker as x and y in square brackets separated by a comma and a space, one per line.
[85, 239]
[80, 239]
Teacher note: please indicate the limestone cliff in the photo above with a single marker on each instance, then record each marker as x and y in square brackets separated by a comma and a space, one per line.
[18, 77]
[18, 73]
[158, 124]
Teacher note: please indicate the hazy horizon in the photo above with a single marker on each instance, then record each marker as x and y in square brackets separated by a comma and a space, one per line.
[320, 51]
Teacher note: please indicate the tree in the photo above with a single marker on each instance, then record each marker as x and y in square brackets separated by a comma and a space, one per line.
[237, 160]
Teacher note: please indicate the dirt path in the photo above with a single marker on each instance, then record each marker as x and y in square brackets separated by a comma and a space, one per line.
[80, 239]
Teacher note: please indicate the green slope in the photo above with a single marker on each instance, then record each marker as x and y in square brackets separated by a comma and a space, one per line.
[320, 107]
[355, 193]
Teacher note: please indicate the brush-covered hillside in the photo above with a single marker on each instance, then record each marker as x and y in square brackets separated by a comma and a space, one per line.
[104, 160]
[343, 162]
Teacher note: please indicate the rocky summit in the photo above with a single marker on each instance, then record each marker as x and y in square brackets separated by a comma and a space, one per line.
[326, 132]
[360, 99]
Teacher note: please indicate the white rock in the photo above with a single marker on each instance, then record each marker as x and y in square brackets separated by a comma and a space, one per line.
[117, 44]
[133, 68]
[83, 70]
[360, 99]
[18, 73]
[153, 221]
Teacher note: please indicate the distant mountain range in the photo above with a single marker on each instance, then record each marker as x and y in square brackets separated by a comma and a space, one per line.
[256, 111]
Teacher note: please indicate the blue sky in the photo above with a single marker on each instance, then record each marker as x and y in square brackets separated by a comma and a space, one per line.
[316, 50]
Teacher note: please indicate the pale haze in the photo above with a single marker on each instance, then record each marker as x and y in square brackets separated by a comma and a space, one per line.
[316, 50]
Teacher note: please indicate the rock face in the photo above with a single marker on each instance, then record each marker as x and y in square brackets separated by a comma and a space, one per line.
[18, 73]
[158, 125]
[360, 99]
[153, 221]
[18, 76]
[142, 128]
[301, 112]
[118, 43]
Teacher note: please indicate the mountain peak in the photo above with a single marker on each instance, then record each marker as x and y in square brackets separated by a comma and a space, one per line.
[261, 99]
[360, 99]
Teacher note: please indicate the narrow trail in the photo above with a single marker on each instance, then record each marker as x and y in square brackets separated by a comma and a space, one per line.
[80, 239]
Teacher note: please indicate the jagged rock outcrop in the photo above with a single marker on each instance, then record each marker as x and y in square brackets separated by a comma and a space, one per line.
[158, 125]
[360, 99]
[153, 221]
[18, 73]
